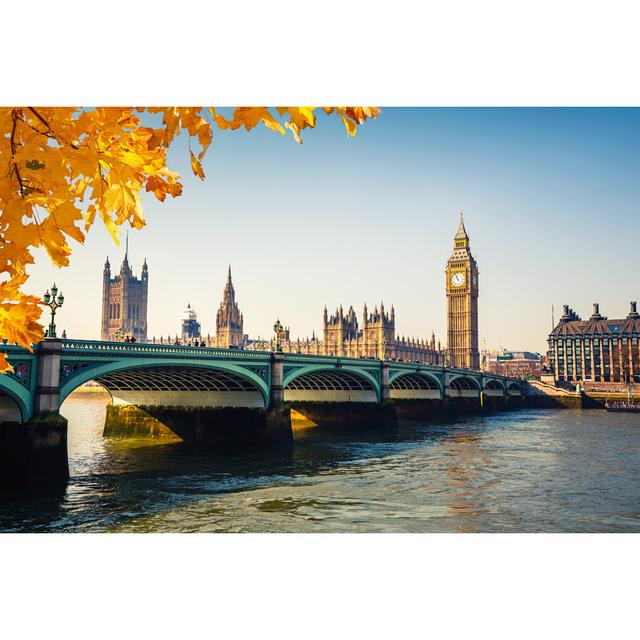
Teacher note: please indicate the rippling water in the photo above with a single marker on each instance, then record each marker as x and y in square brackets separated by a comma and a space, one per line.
[510, 472]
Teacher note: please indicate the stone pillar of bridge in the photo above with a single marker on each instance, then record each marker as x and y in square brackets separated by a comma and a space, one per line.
[276, 394]
[385, 387]
[35, 453]
[278, 417]
[47, 398]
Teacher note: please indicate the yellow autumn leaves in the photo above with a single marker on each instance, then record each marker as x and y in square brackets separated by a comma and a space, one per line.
[62, 166]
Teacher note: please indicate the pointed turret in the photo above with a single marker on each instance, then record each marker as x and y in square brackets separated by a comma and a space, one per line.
[125, 268]
[461, 238]
[106, 281]
[229, 319]
[229, 294]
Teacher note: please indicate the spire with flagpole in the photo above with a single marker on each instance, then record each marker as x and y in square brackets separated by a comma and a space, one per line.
[125, 263]
[461, 234]
[461, 239]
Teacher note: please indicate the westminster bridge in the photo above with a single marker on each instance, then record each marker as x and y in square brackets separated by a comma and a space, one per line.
[217, 395]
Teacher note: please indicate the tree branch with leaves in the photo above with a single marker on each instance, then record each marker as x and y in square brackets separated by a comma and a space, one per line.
[60, 167]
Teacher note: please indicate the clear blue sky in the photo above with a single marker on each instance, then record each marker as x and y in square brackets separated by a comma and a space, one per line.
[551, 200]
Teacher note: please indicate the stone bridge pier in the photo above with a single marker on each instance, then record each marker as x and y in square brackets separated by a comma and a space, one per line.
[33, 450]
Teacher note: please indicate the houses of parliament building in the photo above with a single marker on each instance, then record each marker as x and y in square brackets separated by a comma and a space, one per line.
[124, 313]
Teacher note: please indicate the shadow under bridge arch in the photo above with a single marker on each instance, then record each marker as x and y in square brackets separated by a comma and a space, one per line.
[414, 385]
[331, 384]
[514, 388]
[494, 388]
[15, 400]
[463, 387]
[179, 385]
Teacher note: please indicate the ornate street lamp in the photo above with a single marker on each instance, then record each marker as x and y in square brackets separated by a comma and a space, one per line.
[277, 327]
[54, 301]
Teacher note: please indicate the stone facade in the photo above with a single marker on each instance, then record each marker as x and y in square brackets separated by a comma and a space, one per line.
[376, 338]
[513, 364]
[597, 349]
[124, 302]
[462, 304]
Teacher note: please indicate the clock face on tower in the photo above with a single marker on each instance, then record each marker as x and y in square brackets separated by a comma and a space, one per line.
[457, 279]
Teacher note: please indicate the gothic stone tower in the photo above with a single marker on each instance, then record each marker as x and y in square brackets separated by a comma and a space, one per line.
[229, 320]
[338, 329]
[462, 303]
[379, 332]
[124, 302]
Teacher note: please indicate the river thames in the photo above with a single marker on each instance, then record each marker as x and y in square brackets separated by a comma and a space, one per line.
[524, 471]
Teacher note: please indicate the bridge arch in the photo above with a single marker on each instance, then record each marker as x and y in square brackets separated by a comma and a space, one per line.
[463, 385]
[495, 385]
[15, 400]
[185, 382]
[514, 388]
[414, 384]
[328, 383]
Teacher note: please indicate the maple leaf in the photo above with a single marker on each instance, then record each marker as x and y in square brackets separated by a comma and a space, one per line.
[124, 201]
[350, 125]
[60, 167]
[196, 167]
[19, 314]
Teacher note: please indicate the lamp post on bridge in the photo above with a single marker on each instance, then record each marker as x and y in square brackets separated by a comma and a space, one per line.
[277, 327]
[54, 301]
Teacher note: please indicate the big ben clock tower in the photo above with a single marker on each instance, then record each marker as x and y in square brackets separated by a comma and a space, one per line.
[462, 304]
